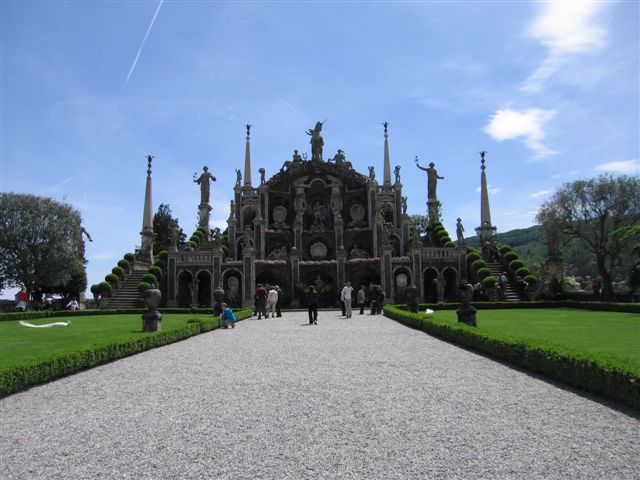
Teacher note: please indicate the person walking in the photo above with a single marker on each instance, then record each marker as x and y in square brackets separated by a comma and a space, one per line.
[261, 301]
[346, 297]
[272, 300]
[279, 302]
[362, 299]
[342, 305]
[373, 298]
[227, 317]
[312, 305]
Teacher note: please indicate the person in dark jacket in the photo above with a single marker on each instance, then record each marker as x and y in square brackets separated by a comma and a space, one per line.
[312, 305]
[261, 301]
[279, 303]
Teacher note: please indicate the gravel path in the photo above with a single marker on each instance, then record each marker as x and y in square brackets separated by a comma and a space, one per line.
[360, 398]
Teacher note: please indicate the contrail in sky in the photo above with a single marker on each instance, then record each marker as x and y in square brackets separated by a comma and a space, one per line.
[143, 42]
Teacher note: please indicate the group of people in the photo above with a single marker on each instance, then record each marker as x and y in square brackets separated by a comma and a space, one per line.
[46, 302]
[267, 301]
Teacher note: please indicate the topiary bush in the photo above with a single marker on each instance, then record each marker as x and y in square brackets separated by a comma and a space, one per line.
[160, 264]
[111, 278]
[504, 248]
[490, 281]
[450, 244]
[523, 272]
[104, 288]
[195, 239]
[201, 229]
[118, 271]
[95, 290]
[510, 256]
[142, 286]
[531, 280]
[162, 255]
[483, 272]
[150, 278]
[478, 264]
[198, 233]
[129, 257]
[472, 257]
[516, 264]
[192, 244]
[155, 271]
[124, 264]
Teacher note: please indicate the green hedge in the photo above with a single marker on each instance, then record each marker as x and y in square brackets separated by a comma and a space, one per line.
[576, 369]
[597, 306]
[14, 379]
[83, 313]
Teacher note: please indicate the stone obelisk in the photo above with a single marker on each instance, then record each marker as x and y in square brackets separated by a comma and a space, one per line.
[387, 162]
[247, 160]
[486, 229]
[146, 235]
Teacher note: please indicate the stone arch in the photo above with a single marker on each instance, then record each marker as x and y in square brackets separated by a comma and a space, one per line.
[450, 276]
[364, 276]
[430, 289]
[204, 288]
[232, 296]
[185, 280]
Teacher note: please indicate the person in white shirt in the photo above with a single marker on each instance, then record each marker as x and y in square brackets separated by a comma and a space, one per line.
[345, 296]
[73, 304]
[272, 300]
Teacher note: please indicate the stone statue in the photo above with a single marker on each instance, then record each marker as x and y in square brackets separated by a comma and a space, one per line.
[403, 204]
[396, 172]
[318, 214]
[316, 142]
[216, 236]
[279, 253]
[482, 154]
[247, 241]
[372, 174]
[357, 252]
[84, 232]
[432, 179]
[295, 161]
[262, 173]
[173, 242]
[203, 181]
[300, 205]
[336, 205]
[460, 232]
[319, 283]
[238, 177]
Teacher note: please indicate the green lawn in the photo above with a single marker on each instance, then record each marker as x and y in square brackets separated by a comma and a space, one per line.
[610, 336]
[19, 344]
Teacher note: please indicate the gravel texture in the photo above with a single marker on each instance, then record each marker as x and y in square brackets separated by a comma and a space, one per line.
[351, 398]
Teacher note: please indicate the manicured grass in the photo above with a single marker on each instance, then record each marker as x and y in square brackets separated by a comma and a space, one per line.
[612, 337]
[19, 344]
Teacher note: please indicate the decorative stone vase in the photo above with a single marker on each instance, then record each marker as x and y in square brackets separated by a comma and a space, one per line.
[152, 320]
[412, 292]
[218, 296]
[466, 312]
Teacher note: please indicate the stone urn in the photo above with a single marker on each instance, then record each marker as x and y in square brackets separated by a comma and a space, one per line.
[412, 293]
[152, 320]
[466, 312]
[218, 296]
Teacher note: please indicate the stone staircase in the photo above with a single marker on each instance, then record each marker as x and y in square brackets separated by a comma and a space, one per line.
[126, 295]
[510, 288]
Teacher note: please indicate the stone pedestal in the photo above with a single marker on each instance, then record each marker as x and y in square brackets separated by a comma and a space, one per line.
[466, 312]
[412, 293]
[433, 208]
[218, 296]
[152, 320]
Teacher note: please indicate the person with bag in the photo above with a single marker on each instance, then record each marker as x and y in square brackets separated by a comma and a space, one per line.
[272, 300]
[261, 301]
[346, 297]
[362, 299]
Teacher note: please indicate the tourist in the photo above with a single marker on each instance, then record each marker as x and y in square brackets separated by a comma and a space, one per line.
[346, 297]
[227, 317]
[21, 300]
[362, 299]
[279, 302]
[312, 305]
[73, 305]
[381, 298]
[373, 298]
[272, 300]
[261, 301]
[342, 305]
[595, 287]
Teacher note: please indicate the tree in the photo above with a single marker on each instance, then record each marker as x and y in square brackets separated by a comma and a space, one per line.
[596, 211]
[163, 222]
[40, 242]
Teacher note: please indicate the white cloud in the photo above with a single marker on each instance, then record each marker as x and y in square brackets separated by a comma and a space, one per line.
[566, 28]
[490, 189]
[541, 193]
[624, 166]
[509, 124]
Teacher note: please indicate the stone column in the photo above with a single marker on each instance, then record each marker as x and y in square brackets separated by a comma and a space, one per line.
[341, 257]
[338, 225]
[397, 204]
[216, 272]
[172, 282]
[263, 193]
[294, 262]
[231, 235]
[194, 289]
[249, 273]
[258, 236]
[386, 272]
[416, 258]
[372, 204]
[377, 237]
[405, 220]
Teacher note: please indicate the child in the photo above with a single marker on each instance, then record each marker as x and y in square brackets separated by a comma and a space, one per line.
[227, 317]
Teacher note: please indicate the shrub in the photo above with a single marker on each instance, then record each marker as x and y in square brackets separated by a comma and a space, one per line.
[155, 271]
[523, 272]
[104, 288]
[142, 286]
[450, 244]
[531, 280]
[150, 278]
[490, 281]
[510, 256]
[478, 264]
[202, 229]
[472, 257]
[504, 248]
[483, 272]
[124, 264]
[129, 257]
[192, 244]
[160, 264]
[118, 271]
[516, 264]
[111, 278]
[198, 233]
[162, 255]
[442, 232]
[194, 239]
[95, 289]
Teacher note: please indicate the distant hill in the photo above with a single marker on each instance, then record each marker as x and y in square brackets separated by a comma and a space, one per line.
[526, 242]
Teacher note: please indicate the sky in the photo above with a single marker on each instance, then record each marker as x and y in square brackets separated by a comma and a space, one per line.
[88, 89]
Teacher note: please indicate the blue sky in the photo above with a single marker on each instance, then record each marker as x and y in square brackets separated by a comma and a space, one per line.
[550, 90]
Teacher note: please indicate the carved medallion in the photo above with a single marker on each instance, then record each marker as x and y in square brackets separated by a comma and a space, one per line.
[357, 212]
[318, 250]
[233, 283]
[402, 280]
[279, 214]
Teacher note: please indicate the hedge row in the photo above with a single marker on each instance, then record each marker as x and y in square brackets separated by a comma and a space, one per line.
[598, 306]
[576, 369]
[14, 379]
[83, 313]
